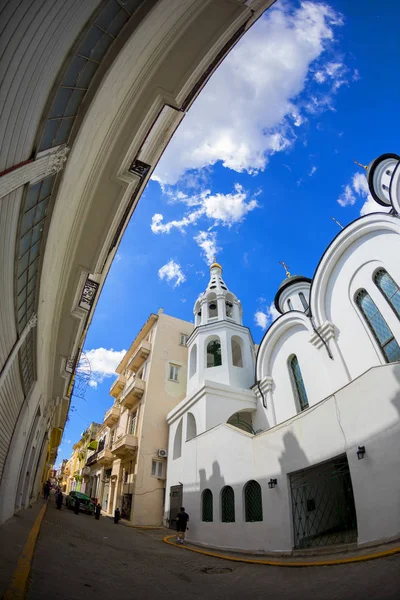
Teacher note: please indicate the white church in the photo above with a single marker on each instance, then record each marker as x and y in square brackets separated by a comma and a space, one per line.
[297, 445]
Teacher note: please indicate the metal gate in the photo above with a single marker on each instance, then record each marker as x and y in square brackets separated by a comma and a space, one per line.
[175, 502]
[323, 505]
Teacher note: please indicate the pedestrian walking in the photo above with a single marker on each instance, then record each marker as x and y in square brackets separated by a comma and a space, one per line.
[117, 516]
[46, 489]
[76, 506]
[97, 512]
[59, 498]
[182, 519]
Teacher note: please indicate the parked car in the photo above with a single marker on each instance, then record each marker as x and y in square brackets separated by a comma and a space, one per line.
[85, 503]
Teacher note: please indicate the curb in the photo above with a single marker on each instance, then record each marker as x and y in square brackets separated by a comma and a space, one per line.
[19, 581]
[277, 563]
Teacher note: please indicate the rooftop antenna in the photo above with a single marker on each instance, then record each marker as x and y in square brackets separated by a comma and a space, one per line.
[286, 267]
[337, 222]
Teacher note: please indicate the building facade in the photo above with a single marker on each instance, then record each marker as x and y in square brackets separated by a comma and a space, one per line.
[304, 450]
[128, 468]
[62, 218]
[75, 470]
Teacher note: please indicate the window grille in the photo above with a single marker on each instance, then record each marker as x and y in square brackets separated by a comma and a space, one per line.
[389, 289]
[378, 326]
[253, 502]
[207, 508]
[227, 505]
[297, 378]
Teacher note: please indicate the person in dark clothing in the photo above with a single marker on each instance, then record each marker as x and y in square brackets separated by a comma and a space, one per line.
[59, 498]
[182, 519]
[76, 506]
[97, 511]
[46, 490]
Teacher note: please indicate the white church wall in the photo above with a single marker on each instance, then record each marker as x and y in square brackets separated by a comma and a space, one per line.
[226, 456]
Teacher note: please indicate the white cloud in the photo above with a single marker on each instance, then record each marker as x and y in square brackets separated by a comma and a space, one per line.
[207, 241]
[249, 107]
[172, 272]
[358, 189]
[103, 363]
[223, 209]
[266, 317]
[347, 198]
[313, 171]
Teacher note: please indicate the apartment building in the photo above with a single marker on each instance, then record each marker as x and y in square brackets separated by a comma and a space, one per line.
[76, 474]
[128, 468]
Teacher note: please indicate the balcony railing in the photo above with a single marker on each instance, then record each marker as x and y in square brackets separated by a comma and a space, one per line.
[111, 416]
[105, 456]
[117, 386]
[92, 459]
[139, 356]
[126, 444]
[133, 393]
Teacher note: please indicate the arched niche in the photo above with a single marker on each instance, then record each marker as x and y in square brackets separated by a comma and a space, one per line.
[237, 351]
[193, 361]
[213, 352]
[178, 442]
[191, 428]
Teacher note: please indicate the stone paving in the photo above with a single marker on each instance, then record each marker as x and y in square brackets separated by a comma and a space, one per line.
[78, 557]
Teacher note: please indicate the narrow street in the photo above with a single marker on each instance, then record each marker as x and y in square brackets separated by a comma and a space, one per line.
[78, 557]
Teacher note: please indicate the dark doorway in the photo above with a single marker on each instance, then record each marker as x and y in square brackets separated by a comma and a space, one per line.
[323, 505]
[126, 506]
[175, 495]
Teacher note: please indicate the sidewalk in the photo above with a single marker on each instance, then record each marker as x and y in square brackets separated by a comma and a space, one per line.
[319, 558]
[13, 535]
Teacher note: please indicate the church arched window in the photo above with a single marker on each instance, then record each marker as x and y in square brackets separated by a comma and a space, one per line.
[178, 442]
[227, 505]
[290, 305]
[298, 383]
[212, 306]
[253, 502]
[236, 346]
[191, 429]
[303, 301]
[214, 358]
[193, 361]
[378, 326]
[207, 506]
[389, 289]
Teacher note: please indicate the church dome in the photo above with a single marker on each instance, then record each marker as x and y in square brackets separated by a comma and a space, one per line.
[293, 286]
[217, 303]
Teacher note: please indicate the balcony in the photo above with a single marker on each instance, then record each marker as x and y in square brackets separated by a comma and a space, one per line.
[133, 393]
[125, 445]
[111, 416]
[139, 356]
[105, 456]
[117, 386]
[92, 459]
[86, 471]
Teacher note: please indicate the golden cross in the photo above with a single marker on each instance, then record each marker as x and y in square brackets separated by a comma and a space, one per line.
[286, 267]
[360, 165]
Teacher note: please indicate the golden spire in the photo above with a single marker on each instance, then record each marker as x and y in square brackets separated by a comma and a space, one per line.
[286, 267]
[360, 165]
[215, 264]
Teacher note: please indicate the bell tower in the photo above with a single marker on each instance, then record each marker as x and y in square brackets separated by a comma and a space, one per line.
[221, 349]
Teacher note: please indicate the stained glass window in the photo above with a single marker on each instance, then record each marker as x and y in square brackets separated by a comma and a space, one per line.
[378, 326]
[299, 386]
[207, 506]
[253, 501]
[389, 289]
[227, 505]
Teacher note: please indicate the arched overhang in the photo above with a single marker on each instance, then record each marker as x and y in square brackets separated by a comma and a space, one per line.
[282, 325]
[349, 236]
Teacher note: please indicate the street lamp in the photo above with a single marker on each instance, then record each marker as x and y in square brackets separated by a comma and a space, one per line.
[272, 483]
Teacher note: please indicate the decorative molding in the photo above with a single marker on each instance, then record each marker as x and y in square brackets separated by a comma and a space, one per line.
[88, 294]
[326, 331]
[46, 163]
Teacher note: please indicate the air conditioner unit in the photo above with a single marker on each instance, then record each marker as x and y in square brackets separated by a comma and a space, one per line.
[162, 453]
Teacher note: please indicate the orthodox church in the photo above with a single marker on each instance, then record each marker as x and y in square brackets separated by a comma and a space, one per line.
[297, 445]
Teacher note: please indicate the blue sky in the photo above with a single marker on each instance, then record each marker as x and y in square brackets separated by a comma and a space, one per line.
[256, 169]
